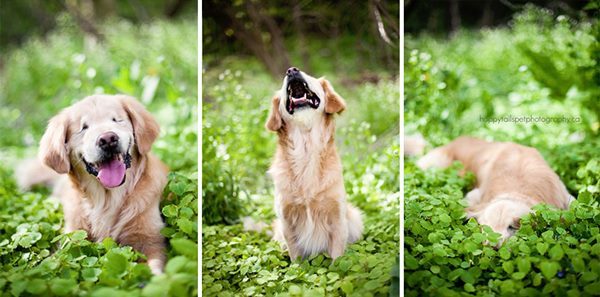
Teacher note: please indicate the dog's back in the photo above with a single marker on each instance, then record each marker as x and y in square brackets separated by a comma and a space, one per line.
[502, 167]
[511, 179]
[32, 172]
[523, 170]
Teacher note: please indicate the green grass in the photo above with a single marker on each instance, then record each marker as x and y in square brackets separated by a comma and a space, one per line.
[44, 76]
[237, 151]
[543, 65]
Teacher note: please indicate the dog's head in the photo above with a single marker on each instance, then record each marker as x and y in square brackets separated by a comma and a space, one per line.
[502, 215]
[303, 100]
[98, 135]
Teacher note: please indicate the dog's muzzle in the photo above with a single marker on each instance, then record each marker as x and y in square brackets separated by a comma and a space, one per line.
[110, 169]
[299, 94]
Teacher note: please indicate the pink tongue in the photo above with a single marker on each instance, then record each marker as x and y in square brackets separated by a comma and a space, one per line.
[299, 100]
[111, 174]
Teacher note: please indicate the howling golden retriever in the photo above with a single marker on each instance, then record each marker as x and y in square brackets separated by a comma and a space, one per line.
[313, 215]
[111, 184]
[511, 179]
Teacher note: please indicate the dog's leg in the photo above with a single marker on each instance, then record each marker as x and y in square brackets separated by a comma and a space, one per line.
[72, 209]
[473, 197]
[156, 256]
[293, 249]
[338, 232]
[294, 217]
[337, 239]
[143, 234]
[277, 227]
[151, 245]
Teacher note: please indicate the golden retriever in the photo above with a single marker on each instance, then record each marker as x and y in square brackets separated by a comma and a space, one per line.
[111, 184]
[313, 215]
[511, 179]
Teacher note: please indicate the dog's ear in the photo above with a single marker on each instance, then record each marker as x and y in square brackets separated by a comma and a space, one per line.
[145, 127]
[472, 212]
[334, 103]
[274, 121]
[53, 146]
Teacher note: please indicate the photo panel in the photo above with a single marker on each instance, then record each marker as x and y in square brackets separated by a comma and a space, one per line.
[300, 148]
[500, 148]
[99, 148]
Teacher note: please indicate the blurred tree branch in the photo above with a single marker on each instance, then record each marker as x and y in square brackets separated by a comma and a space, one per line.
[255, 31]
[84, 16]
[175, 8]
[385, 42]
[454, 15]
[318, 35]
[299, 26]
[44, 19]
[140, 11]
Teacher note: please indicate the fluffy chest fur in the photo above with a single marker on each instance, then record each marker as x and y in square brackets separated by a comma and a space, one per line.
[309, 191]
[306, 163]
[102, 210]
[105, 212]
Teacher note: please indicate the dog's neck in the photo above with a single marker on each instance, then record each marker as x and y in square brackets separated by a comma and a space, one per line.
[102, 206]
[305, 149]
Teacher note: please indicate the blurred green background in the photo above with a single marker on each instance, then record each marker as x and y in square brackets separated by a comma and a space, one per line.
[247, 47]
[502, 59]
[54, 53]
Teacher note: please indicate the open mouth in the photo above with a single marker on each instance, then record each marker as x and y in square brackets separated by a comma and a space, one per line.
[110, 171]
[300, 96]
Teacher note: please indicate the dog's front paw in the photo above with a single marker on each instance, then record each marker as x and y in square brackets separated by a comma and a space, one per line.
[156, 266]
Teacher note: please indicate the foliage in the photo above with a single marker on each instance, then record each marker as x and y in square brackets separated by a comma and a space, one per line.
[556, 47]
[454, 87]
[22, 19]
[321, 36]
[483, 75]
[236, 99]
[38, 260]
[233, 137]
[46, 75]
[445, 253]
[238, 262]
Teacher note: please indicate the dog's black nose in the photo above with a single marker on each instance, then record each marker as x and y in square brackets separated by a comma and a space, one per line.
[108, 141]
[292, 71]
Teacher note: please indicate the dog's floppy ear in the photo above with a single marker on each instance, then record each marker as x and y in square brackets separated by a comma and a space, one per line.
[274, 121]
[334, 103]
[53, 145]
[145, 127]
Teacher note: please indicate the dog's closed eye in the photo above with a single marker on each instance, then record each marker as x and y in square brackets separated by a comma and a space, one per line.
[84, 127]
[512, 228]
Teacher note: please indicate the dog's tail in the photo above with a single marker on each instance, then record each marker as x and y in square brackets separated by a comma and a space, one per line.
[355, 224]
[251, 224]
[31, 172]
[414, 145]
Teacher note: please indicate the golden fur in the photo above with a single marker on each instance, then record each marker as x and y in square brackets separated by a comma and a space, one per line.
[511, 178]
[310, 200]
[129, 213]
